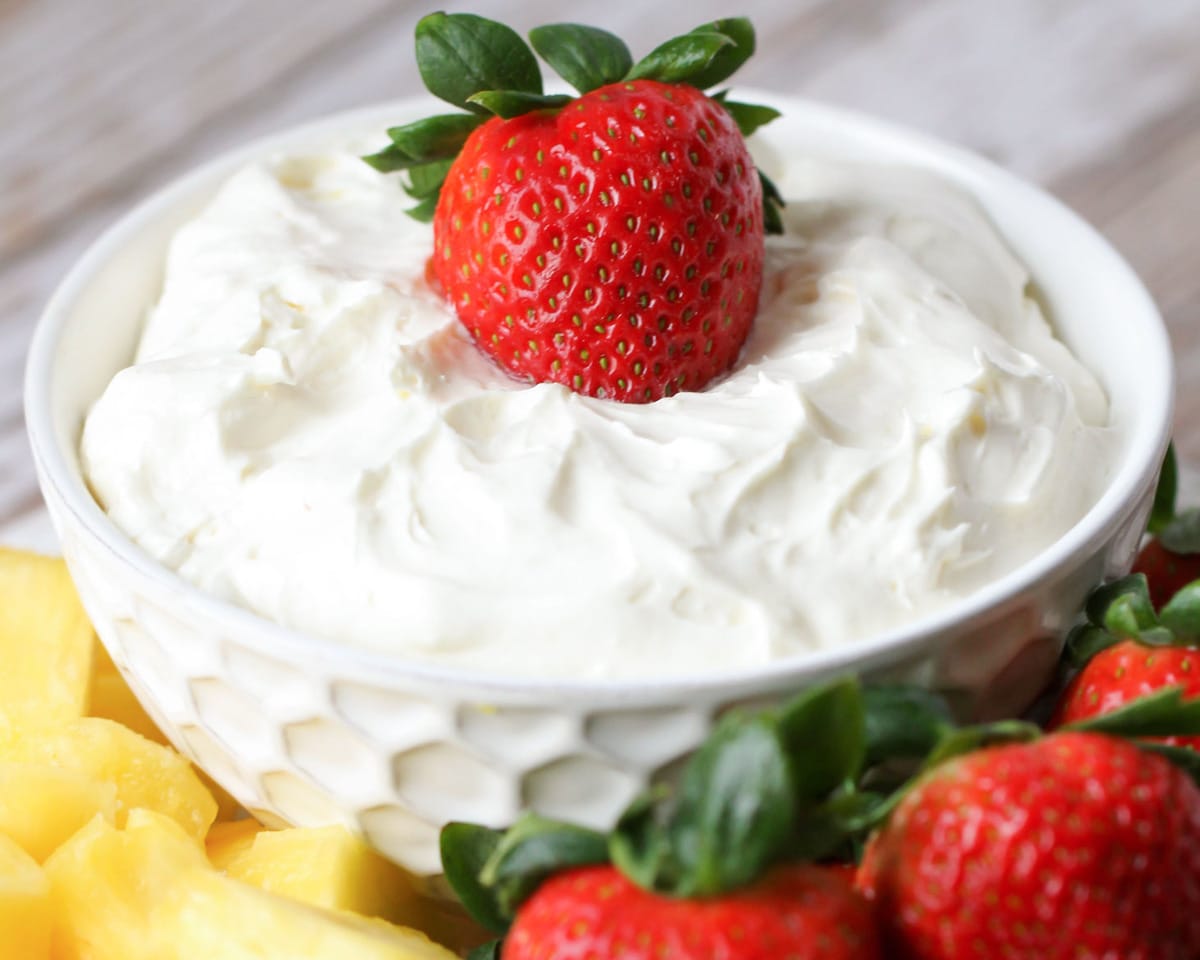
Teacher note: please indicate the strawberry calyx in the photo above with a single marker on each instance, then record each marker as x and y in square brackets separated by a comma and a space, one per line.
[1162, 510]
[1122, 610]
[486, 69]
[807, 781]
[1177, 530]
[1182, 533]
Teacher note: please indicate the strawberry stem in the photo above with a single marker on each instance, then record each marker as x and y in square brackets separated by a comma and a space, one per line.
[486, 69]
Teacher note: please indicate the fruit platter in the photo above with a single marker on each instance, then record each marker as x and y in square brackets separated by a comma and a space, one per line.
[647, 521]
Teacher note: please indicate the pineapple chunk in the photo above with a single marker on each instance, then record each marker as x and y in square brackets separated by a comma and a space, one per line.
[228, 841]
[45, 641]
[42, 806]
[112, 699]
[148, 893]
[25, 919]
[144, 774]
[326, 866]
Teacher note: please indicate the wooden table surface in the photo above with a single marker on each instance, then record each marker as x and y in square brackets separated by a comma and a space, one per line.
[102, 101]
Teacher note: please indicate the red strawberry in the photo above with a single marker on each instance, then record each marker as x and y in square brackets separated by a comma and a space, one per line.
[612, 243]
[1127, 650]
[1120, 674]
[792, 911]
[615, 247]
[1166, 571]
[1074, 846]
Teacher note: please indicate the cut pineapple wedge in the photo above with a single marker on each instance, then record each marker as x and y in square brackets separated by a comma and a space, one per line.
[110, 698]
[148, 893]
[25, 919]
[41, 806]
[90, 786]
[143, 773]
[328, 867]
[45, 641]
[228, 842]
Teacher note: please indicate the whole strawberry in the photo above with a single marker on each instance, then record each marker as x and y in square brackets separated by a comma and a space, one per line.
[792, 911]
[1075, 846]
[1128, 650]
[612, 243]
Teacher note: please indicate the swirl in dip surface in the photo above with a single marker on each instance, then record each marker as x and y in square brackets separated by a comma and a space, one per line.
[308, 432]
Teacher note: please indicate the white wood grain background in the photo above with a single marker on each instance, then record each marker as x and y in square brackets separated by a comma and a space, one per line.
[101, 101]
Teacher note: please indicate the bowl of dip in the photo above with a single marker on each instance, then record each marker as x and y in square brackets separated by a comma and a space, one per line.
[360, 577]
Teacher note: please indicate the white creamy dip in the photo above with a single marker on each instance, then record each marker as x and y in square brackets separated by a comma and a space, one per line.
[308, 432]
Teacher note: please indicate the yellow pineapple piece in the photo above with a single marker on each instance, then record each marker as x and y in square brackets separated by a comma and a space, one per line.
[148, 893]
[42, 806]
[228, 841]
[326, 866]
[45, 641]
[227, 806]
[144, 774]
[25, 920]
[112, 699]
[329, 867]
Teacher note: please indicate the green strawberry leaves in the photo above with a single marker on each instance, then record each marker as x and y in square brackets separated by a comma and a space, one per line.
[466, 849]
[732, 812]
[485, 69]
[507, 104]
[792, 782]
[1182, 533]
[494, 871]
[435, 137]
[1181, 615]
[765, 785]
[748, 116]
[460, 54]
[1163, 713]
[532, 849]
[680, 58]
[824, 731]
[1163, 509]
[425, 149]
[728, 57]
[744, 793]
[1179, 532]
[586, 57]
[1122, 610]
[903, 722]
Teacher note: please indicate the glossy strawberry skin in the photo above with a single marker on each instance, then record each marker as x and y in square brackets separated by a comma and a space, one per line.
[615, 246]
[1166, 572]
[594, 913]
[1075, 846]
[1124, 672]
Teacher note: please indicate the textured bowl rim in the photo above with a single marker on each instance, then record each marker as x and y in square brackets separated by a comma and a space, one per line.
[1132, 477]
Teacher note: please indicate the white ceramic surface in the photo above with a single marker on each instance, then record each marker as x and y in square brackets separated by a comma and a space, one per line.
[305, 731]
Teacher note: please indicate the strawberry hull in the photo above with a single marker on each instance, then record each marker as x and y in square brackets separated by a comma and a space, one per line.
[615, 247]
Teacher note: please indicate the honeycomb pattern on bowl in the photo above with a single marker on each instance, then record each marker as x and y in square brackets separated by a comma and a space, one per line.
[320, 738]
[581, 788]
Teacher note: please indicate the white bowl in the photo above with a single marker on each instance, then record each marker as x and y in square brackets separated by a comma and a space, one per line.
[309, 732]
